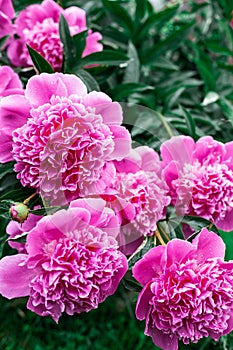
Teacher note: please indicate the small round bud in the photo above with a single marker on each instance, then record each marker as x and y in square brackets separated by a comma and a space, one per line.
[19, 212]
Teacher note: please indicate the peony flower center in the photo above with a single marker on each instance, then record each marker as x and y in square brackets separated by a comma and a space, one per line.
[44, 37]
[146, 192]
[62, 149]
[74, 278]
[193, 301]
[205, 190]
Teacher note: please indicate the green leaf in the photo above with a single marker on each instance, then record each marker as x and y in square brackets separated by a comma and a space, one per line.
[198, 223]
[125, 90]
[141, 10]
[170, 43]
[79, 43]
[189, 122]
[132, 71]
[146, 245]
[6, 168]
[120, 14]
[39, 62]
[226, 107]
[106, 57]
[130, 283]
[17, 195]
[156, 20]
[88, 80]
[228, 240]
[3, 40]
[211, 97]
[205, 68]
[45, 210]
[68, 49]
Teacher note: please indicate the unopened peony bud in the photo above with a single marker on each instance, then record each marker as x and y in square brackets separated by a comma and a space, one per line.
[19, 212]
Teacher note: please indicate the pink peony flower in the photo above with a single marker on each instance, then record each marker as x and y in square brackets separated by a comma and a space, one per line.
[15, 229]
[72, 262]
[38, 27]
[188, 291]
[6, 15]
[138, 194]
[200, 178]
[68, 138]
[11, 107]
[10, 83]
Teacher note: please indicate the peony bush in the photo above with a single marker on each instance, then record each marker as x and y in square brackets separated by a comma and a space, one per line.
[116, 164]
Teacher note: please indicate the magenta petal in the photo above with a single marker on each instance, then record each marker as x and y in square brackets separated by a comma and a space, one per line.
[14, 278]
[40, 88]
[14, 52]
[150, 266]
[228, 157]
[53, 227]
[122, 140]
[178, 250]
[143, 302]
[110, 111]
[209, 245]
[227, 223]
[76, 17]
[94, 206]
[6, 145]
[6, 7]
[179, 148]
[14, 111]
[130, 164]
[150, 159]
[164, 341]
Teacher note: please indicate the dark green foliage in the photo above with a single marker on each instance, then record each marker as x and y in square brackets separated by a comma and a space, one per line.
[172, 71]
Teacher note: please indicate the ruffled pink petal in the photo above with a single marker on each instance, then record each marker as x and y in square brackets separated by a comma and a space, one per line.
[143, 302]
[41, 88]
[179, 148]
[92, 43]
[207, 145]
[14, 111]
[171, 172]
[6, 27]
[164, 341]
[150, 266]
[150, 159]
[179, 250]
[93, 205]
[6, 7]
[130, 164]
[29, 17]
[227, 223]
[14, 52]
[52, 9]
[6, 145]
[111, 112]
[209, 245]
[9, 80]
[76, 17]
[14, 276]
[122, 140]
[53, 227]
[228, 157]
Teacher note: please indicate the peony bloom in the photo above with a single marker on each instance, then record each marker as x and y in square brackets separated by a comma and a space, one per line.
[68, 138]
[38, 27]
[72, 262]
[188, 291]
[7, 13]
[138, 195]
[200, 178]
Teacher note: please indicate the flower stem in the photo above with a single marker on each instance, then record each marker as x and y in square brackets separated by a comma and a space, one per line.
[27, 200]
